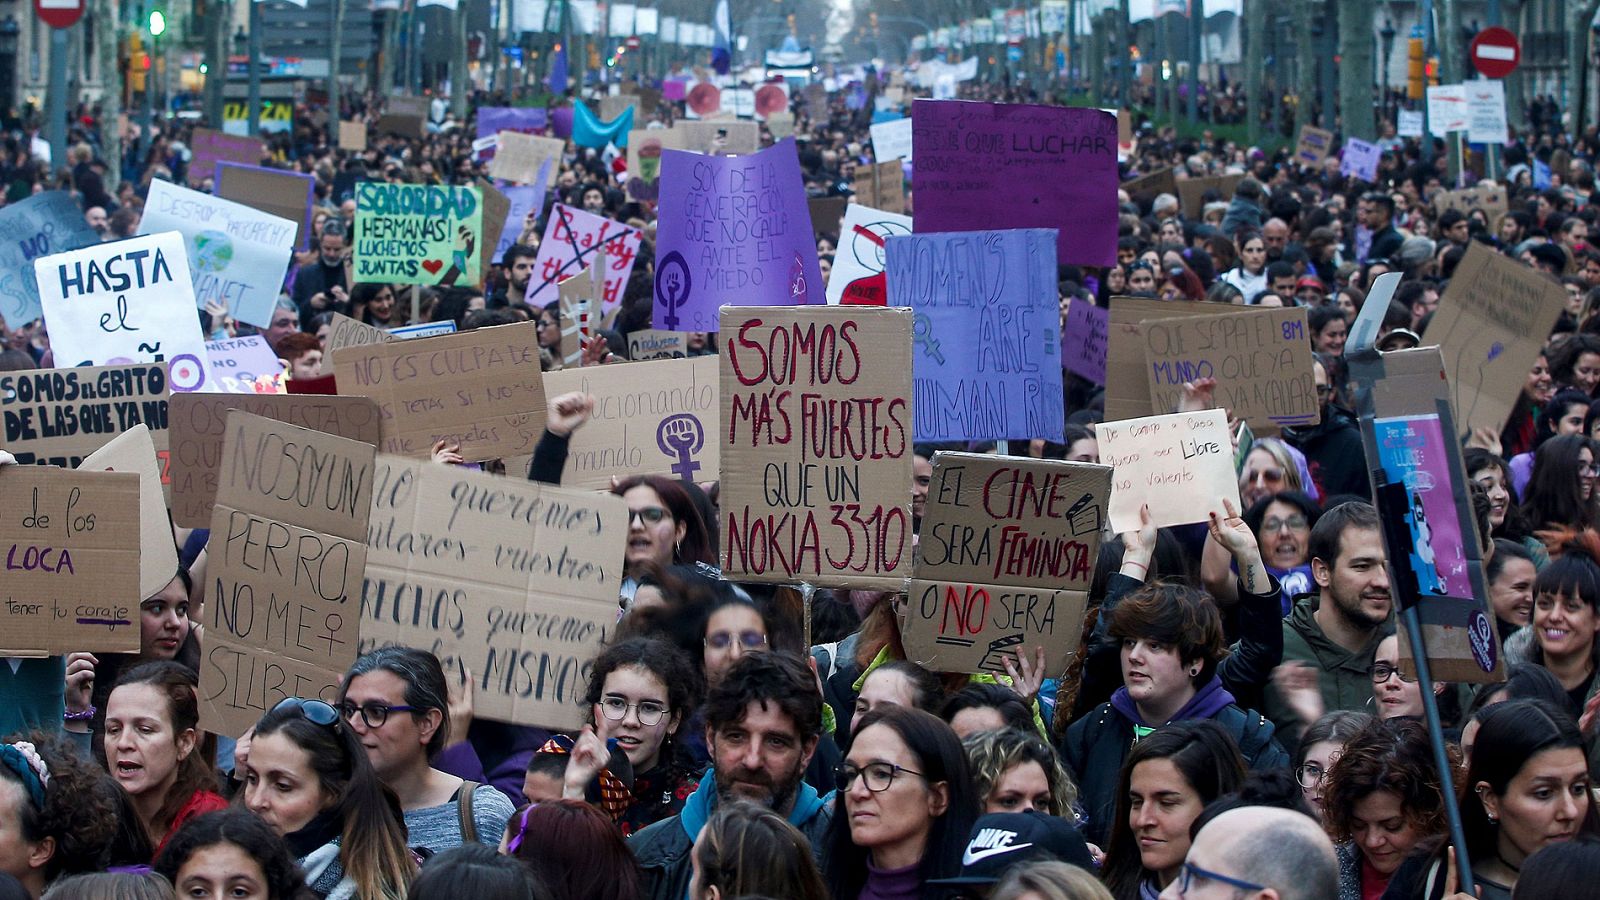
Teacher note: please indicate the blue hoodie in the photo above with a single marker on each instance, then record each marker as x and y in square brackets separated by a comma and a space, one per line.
[702, 803]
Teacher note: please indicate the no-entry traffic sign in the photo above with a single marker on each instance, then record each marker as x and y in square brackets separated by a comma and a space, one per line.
[1495, 52]
[59, 13]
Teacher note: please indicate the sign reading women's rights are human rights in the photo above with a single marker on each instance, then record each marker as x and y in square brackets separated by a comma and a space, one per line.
[417, 233]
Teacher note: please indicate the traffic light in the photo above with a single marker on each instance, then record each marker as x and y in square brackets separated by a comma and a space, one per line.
[138, 63]
[1414, 68]
[158, 23]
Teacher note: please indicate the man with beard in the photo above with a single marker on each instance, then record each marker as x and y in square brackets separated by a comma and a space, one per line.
[1330, 637]
[1334, 453]
[763, 723]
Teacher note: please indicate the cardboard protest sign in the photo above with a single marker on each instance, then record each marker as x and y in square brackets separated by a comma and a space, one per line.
[1192, 192]
[1007, 551]
[1360, 159]
[983, 166]
[572, 238]
[1260, 359]
[858, 278]
[284, 564]
[654, 418]
[518, 119]
[816, 445]
[732, 230]
[1127, 386]
[650, 343]
[578, 308]
[209, 147]
[1312, 146]
[59, 416]
[1148, 187]
[199, 423]
[479, 388]
[353, 136]
[644, 153]
[1490, 199]
[781, 124]
[344, 331]
[1083, 340]
[891, 140]
[613, 105]
[827, 214]
[1490, 328]
[517, 583]
[126, 301]
[286, 195]
[418, 234]
[134, 451]
[987, 332]
[43, 224]
[403, 115]
[1179, 464]
[244, 365]
[720, 138]
[72, 575]
[522, 203]
[238, 255]
[521, 157]
[882, 186]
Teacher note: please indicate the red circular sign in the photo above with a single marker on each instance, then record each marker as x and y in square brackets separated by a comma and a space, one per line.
[1495, 52]
[59, 13]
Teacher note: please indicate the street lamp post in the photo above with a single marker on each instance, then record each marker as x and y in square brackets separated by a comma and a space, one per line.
[1387, 38]
[9, 33]
[253, 69]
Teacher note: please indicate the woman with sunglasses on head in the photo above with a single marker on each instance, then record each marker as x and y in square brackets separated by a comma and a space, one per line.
[308, 777]
[58, 811]
[152, 746]
[904, 808]
[395, 700]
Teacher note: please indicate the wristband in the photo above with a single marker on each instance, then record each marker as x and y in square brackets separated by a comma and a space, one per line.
[1142, 567]
[83, 716]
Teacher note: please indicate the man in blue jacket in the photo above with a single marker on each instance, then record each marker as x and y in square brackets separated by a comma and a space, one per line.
[762, 726]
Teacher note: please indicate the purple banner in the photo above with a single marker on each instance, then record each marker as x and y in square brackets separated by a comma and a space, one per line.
[1083, 340]
[494, 119]
[984, 166]
[525, 201]
[732, 230]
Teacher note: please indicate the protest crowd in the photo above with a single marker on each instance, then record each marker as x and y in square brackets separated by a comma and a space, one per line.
[623, 500]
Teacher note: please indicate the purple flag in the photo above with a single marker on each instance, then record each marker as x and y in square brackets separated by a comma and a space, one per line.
[733, 230]
[561, 122]
[1083, 340]
[983, 166]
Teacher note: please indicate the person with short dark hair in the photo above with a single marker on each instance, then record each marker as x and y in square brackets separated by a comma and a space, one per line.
[228, 850]
[477, 872]
[573, 848]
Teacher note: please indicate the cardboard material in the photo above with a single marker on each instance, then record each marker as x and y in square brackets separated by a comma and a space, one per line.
[286, 195]
[126, 301]
[1492, 200]
[1007, 550]
[720, 138]
[1180, 464]
[1260, 358]
[210, 147]
[1312, 146]
[578, 300]
[479, 388]
[199, 424]
[344, 331]
[1127, 387]
[816, 445]
[405, 126]
[46, 223]
[1192, 192]
[1490, 328]
[59, 416]
[649, 343]
[512, 581]
[781, 124]
[826, 215]
[644, 152]
[882, 186]
[418, 234]
[353, 136]
[1083, 340]
[573, 240]
[238, 255]
[521, 157]
[284, 567]
[614, 105]
[72, 574]
[858, 277]
[496, 216]
[653, 418]
[983, 166]
[1147, 187]
[987, 332]
[134, 451]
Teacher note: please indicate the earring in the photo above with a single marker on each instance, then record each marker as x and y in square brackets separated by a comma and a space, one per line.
[1193, 672]
[677, 551]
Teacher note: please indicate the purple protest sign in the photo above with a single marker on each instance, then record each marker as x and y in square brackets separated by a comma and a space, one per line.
[525, 200]
[494, 119]
[1360, 159]
[211, 147]
[674, 89]
[983, 166]
[1083, 340]
[732, 230]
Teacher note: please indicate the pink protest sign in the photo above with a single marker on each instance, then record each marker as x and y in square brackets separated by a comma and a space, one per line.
[733, 230]
[986, 166]
[571, 239]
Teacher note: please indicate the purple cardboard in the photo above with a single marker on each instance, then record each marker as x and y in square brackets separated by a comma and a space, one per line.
[494, 119]
[983, 166]
[1083, 340]
[733, 230]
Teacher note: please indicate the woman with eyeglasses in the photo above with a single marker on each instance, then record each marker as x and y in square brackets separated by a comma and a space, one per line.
[1526, 788]
[1282, 525]
[1168, 778]
[308, 777]
[1560, 491]
[396, 702]
[1383, 798]
[1272, 467]
[152, 745]
[641, 692]
[1320, 746]
[1566, 619]
[550, 328]
[904, 808]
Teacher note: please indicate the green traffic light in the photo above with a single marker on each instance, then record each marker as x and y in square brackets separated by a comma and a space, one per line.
[158, 23]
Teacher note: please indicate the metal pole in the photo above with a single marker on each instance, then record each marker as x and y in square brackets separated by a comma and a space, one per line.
[1441, 760]
[1197, 23]
[148, 114]
[58, 98]
[254, 70]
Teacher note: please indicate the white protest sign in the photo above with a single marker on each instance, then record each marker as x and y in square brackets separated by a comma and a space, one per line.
[892, 140]
[237, 254]
[125, 302]
[1410, 123]
[1486, 112]
[1447, 109]
[1360, 159]
[1181, 465]
[858, 265]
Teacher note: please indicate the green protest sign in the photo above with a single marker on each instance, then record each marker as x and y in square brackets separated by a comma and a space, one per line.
[418, 233]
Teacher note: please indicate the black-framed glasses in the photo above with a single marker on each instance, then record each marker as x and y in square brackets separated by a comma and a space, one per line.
[1309, 775]
[749, 640]
[1380, 673]
[616, 709]
[374, 714]
[649, 515]
[316, 712]
[1191, 873]
[876, 776]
